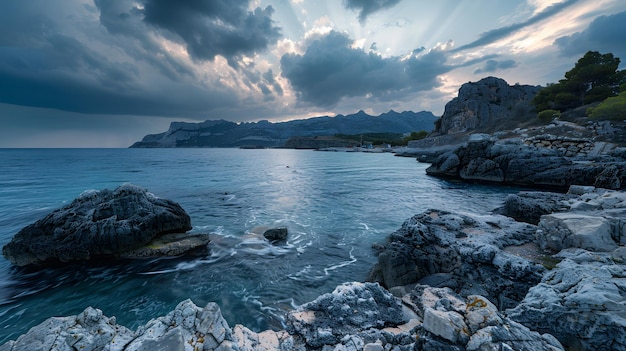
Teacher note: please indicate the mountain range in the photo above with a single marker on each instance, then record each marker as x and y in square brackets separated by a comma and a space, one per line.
[222, 133]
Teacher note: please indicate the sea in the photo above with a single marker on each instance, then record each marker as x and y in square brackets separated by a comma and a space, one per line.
[336, 205]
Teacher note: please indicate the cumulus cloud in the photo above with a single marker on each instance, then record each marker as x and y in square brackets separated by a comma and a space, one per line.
[331, 69]
[217, 27]
[494, 65]
[500, 33]
[605, 34]
[368, 7]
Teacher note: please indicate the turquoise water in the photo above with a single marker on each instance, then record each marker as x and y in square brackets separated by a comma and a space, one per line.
[335, 206]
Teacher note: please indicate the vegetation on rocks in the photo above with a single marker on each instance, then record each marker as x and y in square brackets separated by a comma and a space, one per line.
[613, 108]
[594, 78]
[547, 116]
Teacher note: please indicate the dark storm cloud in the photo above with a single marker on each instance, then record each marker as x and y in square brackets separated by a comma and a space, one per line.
[122, 18]
[216, 27]
[605, 34]
[499, 33]
[43, 82]
[368, 7]
[494, 65]
[105, 59]
[330, 70]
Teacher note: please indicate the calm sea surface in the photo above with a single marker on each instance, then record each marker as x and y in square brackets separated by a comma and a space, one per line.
[335, 206]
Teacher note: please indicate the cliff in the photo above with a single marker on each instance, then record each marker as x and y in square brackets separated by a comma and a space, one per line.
[488, 105]
[222, 133]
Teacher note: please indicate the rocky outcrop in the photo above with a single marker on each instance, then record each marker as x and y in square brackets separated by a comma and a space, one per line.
[584, 300]
[568, 267]
[350, 309]
[582, 293]
[221, 133]
[512, 162]
[472, 323]
[463, 252]
[488, 104]
[126, 222]
[187, 327]
[595, 222]
[354, 317]
[529, 206]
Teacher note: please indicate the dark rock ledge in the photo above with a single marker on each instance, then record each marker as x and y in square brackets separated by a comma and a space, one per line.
[514, 162]
[128, 222]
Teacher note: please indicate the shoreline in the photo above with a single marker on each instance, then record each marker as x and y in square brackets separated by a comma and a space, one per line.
[511, 254]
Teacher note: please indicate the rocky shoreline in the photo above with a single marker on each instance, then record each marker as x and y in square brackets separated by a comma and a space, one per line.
[445, 281]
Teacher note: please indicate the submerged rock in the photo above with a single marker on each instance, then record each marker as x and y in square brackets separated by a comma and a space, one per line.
[127, 221]
[276, 234]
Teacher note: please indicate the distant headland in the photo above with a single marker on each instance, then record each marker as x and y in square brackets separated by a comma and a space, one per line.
[222, 133]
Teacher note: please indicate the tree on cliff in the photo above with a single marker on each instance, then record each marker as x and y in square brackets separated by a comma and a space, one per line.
[594, 78]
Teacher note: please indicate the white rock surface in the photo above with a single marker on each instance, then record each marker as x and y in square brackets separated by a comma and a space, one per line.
[584, 300]
[560, 231]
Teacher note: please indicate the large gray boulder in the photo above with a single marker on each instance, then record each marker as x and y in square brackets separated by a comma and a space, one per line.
[593, 232]
[586, 217]
[105, 223]
[470, 253]
[529, 206]
[582, 301]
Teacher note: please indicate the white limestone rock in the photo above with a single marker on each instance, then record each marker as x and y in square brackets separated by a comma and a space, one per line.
[584, 300]
[559, 231]
[511, 336]
[188, 327]
[474, 323]
[89, 330]
[481, 313]
[265, 341]
[449, 325]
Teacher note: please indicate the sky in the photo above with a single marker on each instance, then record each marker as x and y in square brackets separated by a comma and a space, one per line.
[103, 73]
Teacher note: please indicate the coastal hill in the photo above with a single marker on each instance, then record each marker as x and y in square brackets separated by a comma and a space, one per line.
[489, 105]
[222, 133]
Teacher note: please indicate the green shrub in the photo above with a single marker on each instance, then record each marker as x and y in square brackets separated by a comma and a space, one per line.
[613, 108]
[546, 116]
